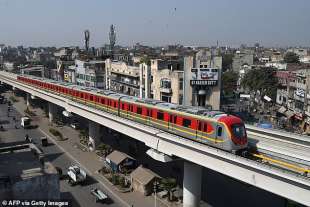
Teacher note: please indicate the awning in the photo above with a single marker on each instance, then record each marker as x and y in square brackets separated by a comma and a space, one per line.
[282, 110]
[289, 114]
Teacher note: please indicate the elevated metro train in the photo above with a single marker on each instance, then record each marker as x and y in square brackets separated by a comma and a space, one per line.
[213, 128]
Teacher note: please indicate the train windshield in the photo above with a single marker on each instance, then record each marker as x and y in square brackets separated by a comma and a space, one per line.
[238, 130]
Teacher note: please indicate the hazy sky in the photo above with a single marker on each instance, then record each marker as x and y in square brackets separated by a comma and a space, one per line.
[155, 22]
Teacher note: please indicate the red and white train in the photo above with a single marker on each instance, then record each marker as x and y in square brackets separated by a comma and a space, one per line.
[213, 128]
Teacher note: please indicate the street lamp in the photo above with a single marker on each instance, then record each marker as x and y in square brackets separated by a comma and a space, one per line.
[155, 185]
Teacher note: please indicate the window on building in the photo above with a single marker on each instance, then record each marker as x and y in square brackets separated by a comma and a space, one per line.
[165, 97]
[165, 83]
[180, 99]
[181, 84]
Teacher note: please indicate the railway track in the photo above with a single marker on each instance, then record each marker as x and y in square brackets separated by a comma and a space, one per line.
[281, 149]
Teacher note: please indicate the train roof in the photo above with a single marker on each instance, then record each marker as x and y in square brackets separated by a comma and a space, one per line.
[193, 110]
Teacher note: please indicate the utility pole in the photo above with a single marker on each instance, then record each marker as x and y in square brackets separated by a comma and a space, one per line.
[155, 190]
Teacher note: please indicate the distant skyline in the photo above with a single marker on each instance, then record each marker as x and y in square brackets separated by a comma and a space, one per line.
[278, 23]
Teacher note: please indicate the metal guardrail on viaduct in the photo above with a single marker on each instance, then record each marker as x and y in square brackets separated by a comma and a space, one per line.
[277, 181]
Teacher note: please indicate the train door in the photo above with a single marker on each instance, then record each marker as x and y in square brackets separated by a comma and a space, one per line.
[219, 135]
[173, 121]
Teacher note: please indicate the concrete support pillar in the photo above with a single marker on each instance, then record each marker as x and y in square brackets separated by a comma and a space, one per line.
[93, 135]
[52, 110]
[28, 100]
[191, 185]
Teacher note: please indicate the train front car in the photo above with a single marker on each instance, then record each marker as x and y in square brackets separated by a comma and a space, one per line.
[236, 133]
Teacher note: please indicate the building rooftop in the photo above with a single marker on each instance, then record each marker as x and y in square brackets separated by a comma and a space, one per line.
[117, 157]
[143, 175]
[22, 161]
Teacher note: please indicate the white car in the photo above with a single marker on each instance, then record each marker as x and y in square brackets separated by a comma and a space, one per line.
[74, 125]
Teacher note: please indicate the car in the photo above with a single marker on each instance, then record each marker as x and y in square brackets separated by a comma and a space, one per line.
[74, 125]
[99, 194]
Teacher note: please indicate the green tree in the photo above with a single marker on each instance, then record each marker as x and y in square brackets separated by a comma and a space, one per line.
[291, 57]
[146, 60]
[227, 61]
[229, 82]
[263, 80]
[168, 184]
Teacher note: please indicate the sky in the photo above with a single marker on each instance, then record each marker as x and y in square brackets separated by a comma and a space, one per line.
[155, 22]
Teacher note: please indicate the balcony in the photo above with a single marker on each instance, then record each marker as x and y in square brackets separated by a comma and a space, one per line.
[301, 86]
[299, 98]
[166, 90]
[292, 84]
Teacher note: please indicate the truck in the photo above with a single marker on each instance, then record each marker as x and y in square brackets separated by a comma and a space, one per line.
[25, 122]
[99, 195]
[76, 175]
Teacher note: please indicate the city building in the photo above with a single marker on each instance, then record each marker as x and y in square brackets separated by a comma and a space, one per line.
[167, 80]
[242, 58]
[119, 161]
[122, 77]
[202, 79]
[24, 174]
[142, 180]
[90, 73]
[293, 96]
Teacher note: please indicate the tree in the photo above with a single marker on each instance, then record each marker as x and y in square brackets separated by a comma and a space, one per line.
[227, 61]
[291, 57]
[229, 82]
[168, 184]
[146, 60]
[261, 79]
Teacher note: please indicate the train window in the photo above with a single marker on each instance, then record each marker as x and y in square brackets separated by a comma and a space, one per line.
[219, 131]
[139, 110]
[200, 126]
[187, 122]
[160, 115]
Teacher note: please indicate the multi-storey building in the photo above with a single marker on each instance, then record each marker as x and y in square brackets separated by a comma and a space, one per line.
[242, 58]
[202, 79]
[90, 73]
[294, 96]
[123, 78]
[167, 80]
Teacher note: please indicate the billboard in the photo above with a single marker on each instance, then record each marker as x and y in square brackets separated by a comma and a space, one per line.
[204, 76]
